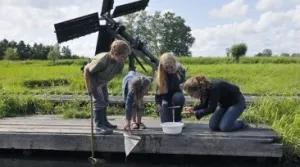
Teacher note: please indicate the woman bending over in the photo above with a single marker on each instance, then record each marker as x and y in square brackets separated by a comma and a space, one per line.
[219, 97]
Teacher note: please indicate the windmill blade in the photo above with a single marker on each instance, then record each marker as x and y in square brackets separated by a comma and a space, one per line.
[107, 6]
[129, 8]
[77, 27]
[104, 40]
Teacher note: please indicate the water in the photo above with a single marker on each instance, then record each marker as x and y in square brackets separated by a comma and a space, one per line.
[18, 158]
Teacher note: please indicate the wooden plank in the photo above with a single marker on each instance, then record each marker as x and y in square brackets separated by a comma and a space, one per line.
[53, 133]
[83, 126]
[162, 144]
[152, 131]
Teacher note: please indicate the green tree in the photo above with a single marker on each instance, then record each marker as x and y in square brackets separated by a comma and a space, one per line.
[295, 55]
[3, 47]
[12, 44]
[160, 32]
[66, 52]
[176, 36]
[238, 50]
[227, 52]
[285, 55]
[267, 52]
[54, 53]
[21, 49]
[259, 55]
[11, 54]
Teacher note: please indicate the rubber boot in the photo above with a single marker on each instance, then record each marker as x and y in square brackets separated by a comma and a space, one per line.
[178, 99]
[107, 124]
[166, 113]
[101, 128]
[178, 117]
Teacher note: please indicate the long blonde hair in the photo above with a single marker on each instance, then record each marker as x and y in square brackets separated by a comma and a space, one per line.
[167, 59]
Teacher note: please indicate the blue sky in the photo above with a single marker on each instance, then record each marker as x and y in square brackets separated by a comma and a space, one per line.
[196, 13]
[216, 24]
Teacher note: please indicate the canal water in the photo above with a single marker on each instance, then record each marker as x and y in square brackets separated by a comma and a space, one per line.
[18, 158]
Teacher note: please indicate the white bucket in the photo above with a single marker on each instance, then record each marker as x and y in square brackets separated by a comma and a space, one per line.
[172, 127]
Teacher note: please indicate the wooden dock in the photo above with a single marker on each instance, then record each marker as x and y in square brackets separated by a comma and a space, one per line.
[54, 133]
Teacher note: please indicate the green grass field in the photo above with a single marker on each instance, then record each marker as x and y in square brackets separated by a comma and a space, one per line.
[39, 77]
[253, 75]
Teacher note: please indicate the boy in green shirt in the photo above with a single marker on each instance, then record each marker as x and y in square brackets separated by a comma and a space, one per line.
[97, 74]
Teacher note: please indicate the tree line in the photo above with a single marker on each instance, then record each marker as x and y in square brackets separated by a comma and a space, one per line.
[13, 50]
[240, 49]
[269, 53]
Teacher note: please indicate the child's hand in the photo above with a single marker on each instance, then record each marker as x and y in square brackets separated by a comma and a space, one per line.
[188, 110]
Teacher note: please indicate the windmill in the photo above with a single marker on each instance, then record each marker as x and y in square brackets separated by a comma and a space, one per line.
[88, 24]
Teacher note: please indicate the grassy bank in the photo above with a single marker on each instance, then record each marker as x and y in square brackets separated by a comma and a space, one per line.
[41, 77]
[282, 116]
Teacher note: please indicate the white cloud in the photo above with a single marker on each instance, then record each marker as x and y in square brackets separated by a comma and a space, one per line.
[279, 31]
[236, 8]
[275, 5]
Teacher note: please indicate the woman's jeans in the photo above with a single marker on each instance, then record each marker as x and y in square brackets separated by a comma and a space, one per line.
[225, 118]
[166, 114]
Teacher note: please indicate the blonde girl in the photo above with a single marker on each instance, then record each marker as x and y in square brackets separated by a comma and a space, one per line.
[170, 75]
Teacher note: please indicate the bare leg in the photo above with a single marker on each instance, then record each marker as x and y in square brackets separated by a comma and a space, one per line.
[139, 117]
[134, 115]
[140, 114]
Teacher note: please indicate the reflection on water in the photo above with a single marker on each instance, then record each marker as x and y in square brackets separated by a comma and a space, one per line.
[55, 159]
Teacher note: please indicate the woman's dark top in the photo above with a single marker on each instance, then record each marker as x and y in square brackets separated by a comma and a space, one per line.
[220, 92]
[173, 82]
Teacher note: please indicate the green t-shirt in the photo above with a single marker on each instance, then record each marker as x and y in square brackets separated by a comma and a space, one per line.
[103, 68]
